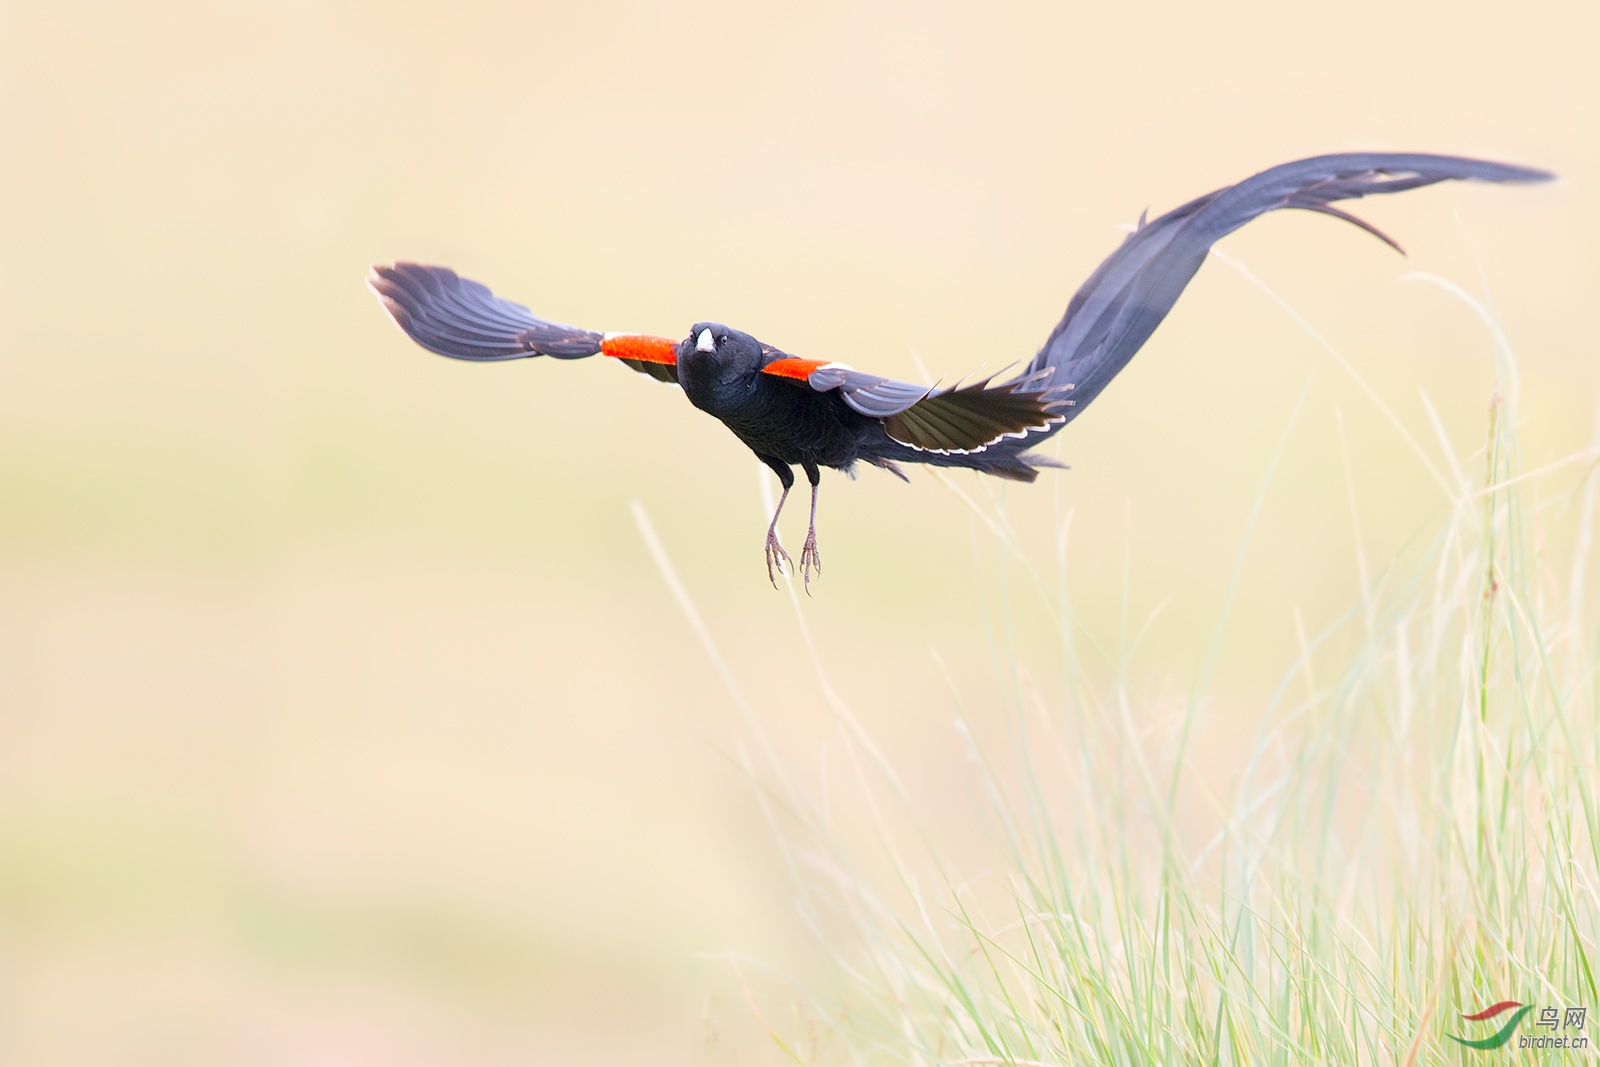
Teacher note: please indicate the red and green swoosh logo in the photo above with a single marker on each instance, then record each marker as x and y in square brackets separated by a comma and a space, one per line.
[1501, 1036]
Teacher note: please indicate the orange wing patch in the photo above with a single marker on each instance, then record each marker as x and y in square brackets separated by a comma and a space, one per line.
[799, 369]
[640, 347]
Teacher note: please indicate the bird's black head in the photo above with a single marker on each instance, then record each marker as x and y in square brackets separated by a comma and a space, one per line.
[714, 352]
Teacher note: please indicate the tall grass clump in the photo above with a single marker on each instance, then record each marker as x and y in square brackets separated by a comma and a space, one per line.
[1413, 834]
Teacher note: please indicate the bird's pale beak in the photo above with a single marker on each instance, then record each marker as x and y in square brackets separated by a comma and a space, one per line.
[705, 342]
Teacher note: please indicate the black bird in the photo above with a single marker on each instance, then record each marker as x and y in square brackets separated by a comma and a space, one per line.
[818, 413]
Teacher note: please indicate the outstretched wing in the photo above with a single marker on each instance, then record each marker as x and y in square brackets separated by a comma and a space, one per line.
[967, 418]
[460, 318]
[1128, 295]
[1119, 307]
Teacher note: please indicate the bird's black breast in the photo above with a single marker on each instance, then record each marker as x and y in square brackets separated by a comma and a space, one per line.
[786, 420]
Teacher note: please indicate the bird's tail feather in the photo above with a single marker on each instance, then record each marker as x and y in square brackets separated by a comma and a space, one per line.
[1010, 460]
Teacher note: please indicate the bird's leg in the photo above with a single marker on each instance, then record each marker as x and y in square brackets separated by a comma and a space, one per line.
[775, 553]
[809, 556]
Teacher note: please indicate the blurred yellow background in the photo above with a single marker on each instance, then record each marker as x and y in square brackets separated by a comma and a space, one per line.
[343, 716]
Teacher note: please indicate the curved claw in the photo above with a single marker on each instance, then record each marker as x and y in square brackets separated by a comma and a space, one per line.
[810, 558]
[777, 556]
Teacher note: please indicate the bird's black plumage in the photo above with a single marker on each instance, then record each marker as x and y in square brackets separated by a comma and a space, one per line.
[814, 414]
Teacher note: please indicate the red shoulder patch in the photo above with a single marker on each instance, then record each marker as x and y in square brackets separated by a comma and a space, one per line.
[641, 347]
[799, 369]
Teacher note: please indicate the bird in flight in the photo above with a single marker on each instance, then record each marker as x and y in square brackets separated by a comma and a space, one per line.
[820, 413]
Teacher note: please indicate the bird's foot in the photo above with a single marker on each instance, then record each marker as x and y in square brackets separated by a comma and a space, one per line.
[810, 558]
[776, 556]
